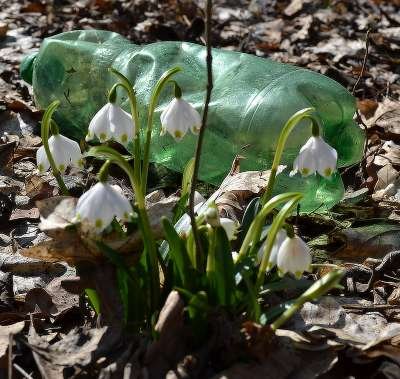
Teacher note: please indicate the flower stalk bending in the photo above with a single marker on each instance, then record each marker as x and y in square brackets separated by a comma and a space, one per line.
[152, 106]
[46, 124]
[287, 129]
[127, 85]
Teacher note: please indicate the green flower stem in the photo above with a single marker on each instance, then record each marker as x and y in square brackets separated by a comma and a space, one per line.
[148, 238]
[103, 173]
[128, 87]
[153, 103]
[54, 129]
[46, 124]
[254, 233]
[318, 289]
[277, 224]
[211, 251]
[287, 129]
[177, 89]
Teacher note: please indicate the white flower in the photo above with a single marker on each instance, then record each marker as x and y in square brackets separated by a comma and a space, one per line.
[101, 204]
[293, 256]
[280, 237]
[316, 155]
[111, 122]
[178, 118]
[65, 152]
[231, 227]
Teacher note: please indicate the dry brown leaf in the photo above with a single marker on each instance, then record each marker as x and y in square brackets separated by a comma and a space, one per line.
[373, 240]
[70, 250]
[387, 116]
[5, 331]
[386, 175]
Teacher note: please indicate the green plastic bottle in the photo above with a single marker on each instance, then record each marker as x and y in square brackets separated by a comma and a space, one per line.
[251, 100]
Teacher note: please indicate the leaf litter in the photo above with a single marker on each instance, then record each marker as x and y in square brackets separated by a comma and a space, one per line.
[352, 332]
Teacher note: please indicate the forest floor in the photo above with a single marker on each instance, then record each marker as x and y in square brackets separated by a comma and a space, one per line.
[354, 333]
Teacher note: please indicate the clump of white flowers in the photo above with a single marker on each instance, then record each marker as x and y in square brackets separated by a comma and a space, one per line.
[179, 116]
[65, 153]
[112, 122]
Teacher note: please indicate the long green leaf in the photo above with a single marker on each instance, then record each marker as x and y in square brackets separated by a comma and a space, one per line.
[178, 255]
[220, 268]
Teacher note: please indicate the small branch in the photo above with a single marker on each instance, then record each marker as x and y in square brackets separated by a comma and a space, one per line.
[22, 371]
[10, 355]
[364, 63]
[203, 126]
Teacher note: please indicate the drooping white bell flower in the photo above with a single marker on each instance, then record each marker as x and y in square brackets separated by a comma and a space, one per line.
[231, 227]
[65, 152]
[280, 237]
[178, 118]
[316, 156]
[101, 204]
[293, 256]
[111, 122]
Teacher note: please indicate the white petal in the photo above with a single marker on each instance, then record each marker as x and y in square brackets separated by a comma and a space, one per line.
[41, 159]
[60, 157]
[293, 256]
[280, 237]
[326, 158]
[166, 110]
[305, 162]
[72, 150]
[230, 227]
[99, 126]
[121, 207]
[198, 198]
[193, 118]
[121, 124]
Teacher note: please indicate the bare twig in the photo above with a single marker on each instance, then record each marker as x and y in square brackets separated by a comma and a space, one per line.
[359, 119]
[364, 63]
[203, 127]
[22, 371]
[10, 355]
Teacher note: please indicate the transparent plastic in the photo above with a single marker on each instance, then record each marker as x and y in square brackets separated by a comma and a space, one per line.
[251, 100]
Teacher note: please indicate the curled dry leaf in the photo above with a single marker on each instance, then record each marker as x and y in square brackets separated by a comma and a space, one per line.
[237, 189]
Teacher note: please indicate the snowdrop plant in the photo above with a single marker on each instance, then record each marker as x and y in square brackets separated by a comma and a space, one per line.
[207, 277]
[315, 155]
